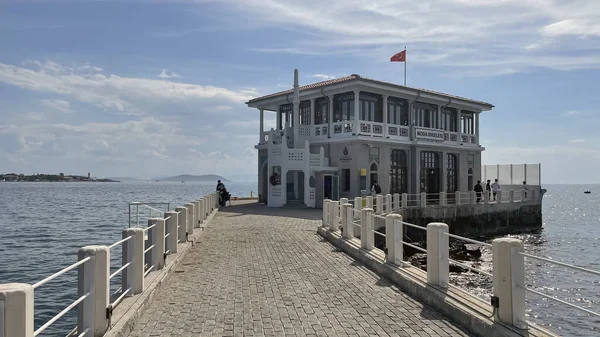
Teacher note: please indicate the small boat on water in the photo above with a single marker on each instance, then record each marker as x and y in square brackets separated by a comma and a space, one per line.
[587, 192]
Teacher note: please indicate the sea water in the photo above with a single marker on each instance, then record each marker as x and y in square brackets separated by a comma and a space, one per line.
[42, 226]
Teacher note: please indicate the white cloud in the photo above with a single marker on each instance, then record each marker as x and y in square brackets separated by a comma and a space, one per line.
[112, 92]
[159, 121]
[576, 140]
[164, 74]
[58, 105]
[575, 27]
[501, 36]
[573, 112]
[323, 77]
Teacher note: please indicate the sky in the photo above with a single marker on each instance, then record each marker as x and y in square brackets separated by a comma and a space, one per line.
[157, 88]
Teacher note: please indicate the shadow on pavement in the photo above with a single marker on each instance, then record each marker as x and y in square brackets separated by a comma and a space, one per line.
[240, 208]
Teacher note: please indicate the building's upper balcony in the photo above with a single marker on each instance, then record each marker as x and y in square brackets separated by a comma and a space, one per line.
[356, 107]
[382, 131]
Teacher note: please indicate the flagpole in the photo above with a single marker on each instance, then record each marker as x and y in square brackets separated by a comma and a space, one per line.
[405, 60]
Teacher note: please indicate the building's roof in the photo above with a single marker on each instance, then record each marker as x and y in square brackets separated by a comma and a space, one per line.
[356, 77]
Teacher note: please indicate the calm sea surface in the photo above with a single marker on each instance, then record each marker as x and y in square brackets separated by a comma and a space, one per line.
[42, 225]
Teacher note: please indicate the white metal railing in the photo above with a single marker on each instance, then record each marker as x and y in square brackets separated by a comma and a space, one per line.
[507, 265]
[95, 300]
[68, 308]
[146, 206]
[383, 204]
[551, 298]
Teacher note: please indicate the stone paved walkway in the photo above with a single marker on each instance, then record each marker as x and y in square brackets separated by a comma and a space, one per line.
[265, 272]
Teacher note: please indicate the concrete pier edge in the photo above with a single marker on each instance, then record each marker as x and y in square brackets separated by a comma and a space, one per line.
[128, 313]
[469, 312]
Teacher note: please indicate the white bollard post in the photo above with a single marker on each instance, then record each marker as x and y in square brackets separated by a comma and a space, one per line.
[158, 240]
[523, 195]
[171, 229]
[379, 206]
[486, 197]
[325, 212]
[190, 218]
[358, 204]
[473, 197]
[404, 200]
[437, 254]
[201, 216]
[16, 310]
[182, 223]
[457, 198]
[149, 256]
[387, 201]
[370, 201]
[159, 249]
[197, 213]
[423, 199]
[208, 203]
[93, 279]
[366, 229]
[344, 216]
[442, 198]
[394, 246]
[349, 227]
[396, 201]
[499, 197]
[511, 196]
[509, 278]
[333, 215]
[133, 252]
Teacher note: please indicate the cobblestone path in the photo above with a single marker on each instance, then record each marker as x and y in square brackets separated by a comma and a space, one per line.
[257, 271]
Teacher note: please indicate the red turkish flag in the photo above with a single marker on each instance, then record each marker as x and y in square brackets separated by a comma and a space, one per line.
[400, 57]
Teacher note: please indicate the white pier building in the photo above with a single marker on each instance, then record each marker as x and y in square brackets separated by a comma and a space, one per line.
[334, 138]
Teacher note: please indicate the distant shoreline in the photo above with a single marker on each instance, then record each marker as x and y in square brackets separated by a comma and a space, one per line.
[61, 181]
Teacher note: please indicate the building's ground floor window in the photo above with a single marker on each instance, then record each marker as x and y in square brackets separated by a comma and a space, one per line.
[345, 180]
[430, 174]
[451, 173]
[398, 172]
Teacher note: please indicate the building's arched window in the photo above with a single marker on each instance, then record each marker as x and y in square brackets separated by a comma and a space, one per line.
[374, 173]
[430, 173]
[398, 172]
[451, 173]
[470, 179]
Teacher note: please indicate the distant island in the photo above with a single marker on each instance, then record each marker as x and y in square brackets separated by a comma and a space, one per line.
[61, 177]
[189, 177]
[123, 178]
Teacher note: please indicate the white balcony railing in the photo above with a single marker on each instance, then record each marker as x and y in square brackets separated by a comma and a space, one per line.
[345, 129]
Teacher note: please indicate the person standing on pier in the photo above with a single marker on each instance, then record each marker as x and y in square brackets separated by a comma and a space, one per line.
[375, 189]
[488, 189]
[524, 189]
[495, 188]
[220, 185]
[478, 190]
